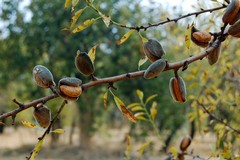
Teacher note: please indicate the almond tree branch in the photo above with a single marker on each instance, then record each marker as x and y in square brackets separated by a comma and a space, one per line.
[110, 80]
[168, 20]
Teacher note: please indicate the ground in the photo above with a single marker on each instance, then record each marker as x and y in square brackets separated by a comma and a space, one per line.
[18, 143]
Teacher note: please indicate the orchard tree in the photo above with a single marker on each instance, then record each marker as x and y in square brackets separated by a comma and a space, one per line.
[80, 67]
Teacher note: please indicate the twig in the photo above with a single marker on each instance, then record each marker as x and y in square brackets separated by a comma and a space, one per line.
[216, 118]
[113, 79]
[47, 131]
[168, 20]
[194, 156]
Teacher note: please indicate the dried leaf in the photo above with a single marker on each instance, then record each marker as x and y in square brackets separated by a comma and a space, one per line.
[84, 25]
[36, 150]
[142, 61]
[59, 131]
[105, 97]
[92, 52]
[67, 2]
[1, 123]
[29, 124]
[150, 98]
[188, 36]
[106, 19]
[125, 37]
[124, 110]
[140, 94]
[142, 148]
[76, 16]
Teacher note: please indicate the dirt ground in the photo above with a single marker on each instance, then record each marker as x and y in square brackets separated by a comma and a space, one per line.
[16, 144]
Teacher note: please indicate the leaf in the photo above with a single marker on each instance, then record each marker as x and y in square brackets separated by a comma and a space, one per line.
[142, 148]
[92, 52]
[139, 114]
[133, 105]
[124, 110]
[142, 61]
[125, 37]
[1, 123]
[36, 150]
[137, 108]
[59, 131]
[150, 98]
[76, 16]
[153, 110]
[29, 124]
[174, 151]
[128, 149]
[84, 25]
[140, 94]
[142, 38]
[106, 19]
[105, 97]
[141, 118]
[74, 3]
[188, 36]
[66, 4]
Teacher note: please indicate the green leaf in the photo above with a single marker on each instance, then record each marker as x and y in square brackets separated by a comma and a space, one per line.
[74, 3]
[150, 98]
[59, 131]
[84, 25]
[76, 16]
[36, 150]
[125, 37]
[188, 36]
[140, 94]
[29, 124]
[121, 106]
[66, 4]
[92, 52]
[105, 97]
[142, 61]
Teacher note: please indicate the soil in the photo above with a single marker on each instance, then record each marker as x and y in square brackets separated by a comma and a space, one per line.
[16, 144]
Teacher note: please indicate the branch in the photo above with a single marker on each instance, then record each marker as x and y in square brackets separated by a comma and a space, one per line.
[168, 20]
[216, 118]
[47, 131]
[110, 80]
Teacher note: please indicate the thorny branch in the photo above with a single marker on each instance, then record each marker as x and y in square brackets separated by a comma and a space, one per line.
[51, 124]
[113, 79]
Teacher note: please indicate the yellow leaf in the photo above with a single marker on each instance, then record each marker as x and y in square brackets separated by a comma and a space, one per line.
[141, 118]
[140, 94]
[125, 37]
[67, 2]
[76, 16]
[128, 149]
[142, 61]
[36, 150]
[142, 148]
[139, 114]
[124, 110]
[133, 105]
[153, 111]
[29, 124]
[83, 26]
[105, 97]
[150, 98]
[188, 36]
[59, 131]
[174, 151]
[142, 38]
[92, 52]
[137, 108]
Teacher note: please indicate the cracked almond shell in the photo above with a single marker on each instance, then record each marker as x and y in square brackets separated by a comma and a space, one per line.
[178, 89]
